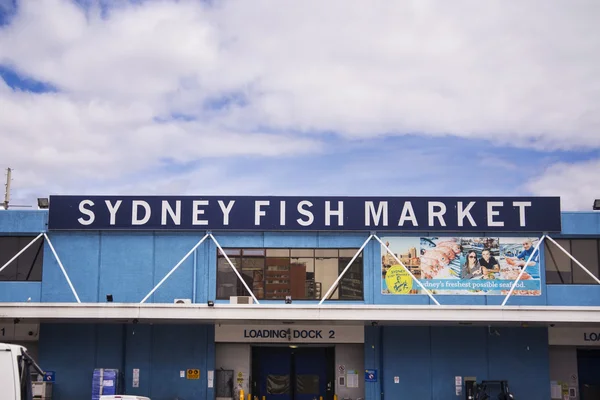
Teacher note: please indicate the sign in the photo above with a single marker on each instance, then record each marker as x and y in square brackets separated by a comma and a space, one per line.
[396, 379]
[428, 214]
[49, 376]
[460, 265]
[136, 378]
[289, 334]
[193, 374]
[371, 375]
[563, 336]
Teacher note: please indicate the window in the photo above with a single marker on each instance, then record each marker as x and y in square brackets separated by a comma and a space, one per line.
[303, 274]
[560, 269]
[28, 266]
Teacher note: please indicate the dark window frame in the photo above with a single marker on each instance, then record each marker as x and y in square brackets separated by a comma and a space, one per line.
[241, 291]
[13, 272]
[549, 249]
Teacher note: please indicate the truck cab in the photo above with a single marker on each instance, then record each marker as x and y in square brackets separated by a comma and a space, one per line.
[15, 372]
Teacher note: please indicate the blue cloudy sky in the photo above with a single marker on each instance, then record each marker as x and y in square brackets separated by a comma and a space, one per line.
[301, 97]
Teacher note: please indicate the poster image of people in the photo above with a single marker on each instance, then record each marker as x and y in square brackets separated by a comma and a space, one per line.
[460, 265]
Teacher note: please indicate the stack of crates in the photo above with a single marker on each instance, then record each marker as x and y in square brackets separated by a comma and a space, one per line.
[106, 382]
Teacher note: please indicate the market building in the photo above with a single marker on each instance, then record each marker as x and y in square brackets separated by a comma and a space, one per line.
[208, 297]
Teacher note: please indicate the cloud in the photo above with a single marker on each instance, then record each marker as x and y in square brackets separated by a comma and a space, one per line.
[256, 80]
[577, 184]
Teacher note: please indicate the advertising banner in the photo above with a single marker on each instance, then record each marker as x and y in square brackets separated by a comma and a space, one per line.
[269, 213]
[460, 265]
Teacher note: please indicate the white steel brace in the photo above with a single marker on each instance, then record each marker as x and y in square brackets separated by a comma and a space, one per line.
[174, 268]
[512, 288]
[21, 251]
[334, 285]
[62, 268]
[407, 270]
[574, 259]
[234, 268]
[55, 256]
[208, 235]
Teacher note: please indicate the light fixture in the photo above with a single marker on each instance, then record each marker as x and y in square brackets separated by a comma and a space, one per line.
[109, 298]
[288, 299]
[211, 303]
[43, 202]
[597, 204]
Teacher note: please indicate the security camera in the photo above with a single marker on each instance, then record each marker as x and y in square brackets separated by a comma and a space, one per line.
[30, 333]
[374, 323]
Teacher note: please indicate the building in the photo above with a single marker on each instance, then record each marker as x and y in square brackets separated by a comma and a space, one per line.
[147, 285]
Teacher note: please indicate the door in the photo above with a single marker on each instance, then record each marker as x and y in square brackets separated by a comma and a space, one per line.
[588, 366]
[310, 369]
[274, 372]
[283, 373]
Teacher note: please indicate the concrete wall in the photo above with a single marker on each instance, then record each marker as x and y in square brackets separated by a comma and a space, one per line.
[563, 366]
[237, 357]
[352, 357]
[427, 360]
[160, 352]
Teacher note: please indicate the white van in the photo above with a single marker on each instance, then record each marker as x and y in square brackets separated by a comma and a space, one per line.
[15, 373]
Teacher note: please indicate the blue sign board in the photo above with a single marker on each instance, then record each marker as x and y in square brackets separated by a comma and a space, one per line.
[263, 213]
[49, 376]
[371, 375]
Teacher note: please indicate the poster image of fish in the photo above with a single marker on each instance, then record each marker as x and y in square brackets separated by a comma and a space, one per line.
[460, 265]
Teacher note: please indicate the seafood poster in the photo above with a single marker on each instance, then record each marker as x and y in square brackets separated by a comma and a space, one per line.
[460, 265]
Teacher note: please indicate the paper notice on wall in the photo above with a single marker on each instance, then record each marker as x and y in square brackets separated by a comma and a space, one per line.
[136, 378]
[555, 391]
[351, 379]
[210, 377]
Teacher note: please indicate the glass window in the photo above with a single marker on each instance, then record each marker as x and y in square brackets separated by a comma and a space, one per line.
[349, 253]
[303, 274]
[586, 252]
[302, 252]
[28, 266]
[277, 278]
[351, 284]
[303, 278]
[326, 272]
[307, 384]
[278, 252]
[278, 384]
[326, 253]
[558, 264]
[227, 280]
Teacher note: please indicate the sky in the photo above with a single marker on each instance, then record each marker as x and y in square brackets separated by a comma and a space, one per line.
[219, 97]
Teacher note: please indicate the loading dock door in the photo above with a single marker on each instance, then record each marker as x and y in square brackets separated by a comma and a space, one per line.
[283, 373]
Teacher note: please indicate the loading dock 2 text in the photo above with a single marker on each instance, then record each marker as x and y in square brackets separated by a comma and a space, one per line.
[288, 334]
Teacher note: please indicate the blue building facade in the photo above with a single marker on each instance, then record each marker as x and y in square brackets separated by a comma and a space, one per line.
[420, 360]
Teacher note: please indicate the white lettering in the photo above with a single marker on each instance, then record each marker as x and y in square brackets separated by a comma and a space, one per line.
[87, 212]
[522, 205]
[226, 210]
[382, 212]
[113, 210]
[436, 214]
[282, 213]
[339, 213]
[134, 213]
[491, 212]
[408, 214]
[257, 211]
[175, 215]
[306, 213]
[462, 213]
[196, 212]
